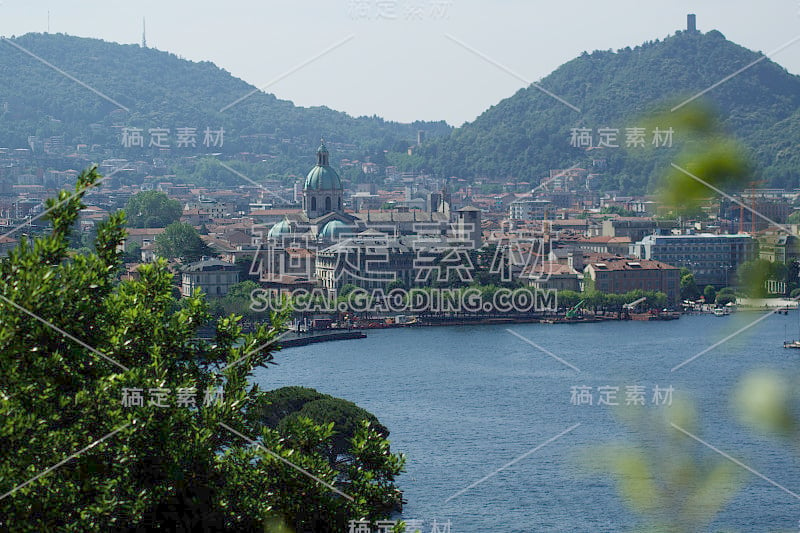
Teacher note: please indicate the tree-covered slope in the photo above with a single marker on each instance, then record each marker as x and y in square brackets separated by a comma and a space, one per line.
[161, 90]
[524, 136]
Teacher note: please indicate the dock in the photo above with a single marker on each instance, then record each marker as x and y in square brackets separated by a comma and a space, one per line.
[304, 339]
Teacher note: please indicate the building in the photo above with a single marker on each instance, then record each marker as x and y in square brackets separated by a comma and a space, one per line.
[209, 206]
[6, 245]
[212, 276]
[713, 259]
[691, 23]
[142, 236]
[370, 260]
[528, 208]
[322, 204]
[600, 244]
[618, 275]
[635, 228]
[765, 209]
[468, 227]
[547, 275]
[779, 248]
[322, 190]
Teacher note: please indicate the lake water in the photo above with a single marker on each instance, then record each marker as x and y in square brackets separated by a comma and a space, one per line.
[461, 402]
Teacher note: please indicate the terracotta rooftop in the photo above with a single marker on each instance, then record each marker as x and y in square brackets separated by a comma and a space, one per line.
[617, 263]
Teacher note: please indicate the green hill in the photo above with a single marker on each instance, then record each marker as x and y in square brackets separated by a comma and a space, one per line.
[524, 136]
[161, 90]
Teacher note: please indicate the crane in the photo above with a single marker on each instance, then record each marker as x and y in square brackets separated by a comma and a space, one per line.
[628, 308]
[634, 303]
[572, 312]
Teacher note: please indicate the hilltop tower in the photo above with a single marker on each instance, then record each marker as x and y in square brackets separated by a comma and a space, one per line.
[691, 23]
[144, 35]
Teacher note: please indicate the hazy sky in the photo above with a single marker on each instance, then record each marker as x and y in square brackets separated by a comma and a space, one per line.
[399, 62]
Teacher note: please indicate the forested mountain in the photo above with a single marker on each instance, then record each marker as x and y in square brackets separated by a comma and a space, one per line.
[519, 139]
[524, 136]
[161, 90]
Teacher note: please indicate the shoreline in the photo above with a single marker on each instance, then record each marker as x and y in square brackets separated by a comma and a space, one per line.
[295, 339]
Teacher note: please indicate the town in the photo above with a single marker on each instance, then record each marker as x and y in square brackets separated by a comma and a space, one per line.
[321, 267]
[403, 231]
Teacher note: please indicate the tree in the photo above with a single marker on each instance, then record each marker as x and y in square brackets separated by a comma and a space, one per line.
[395, 284]
[245, 265]
[752, 276]
[568, 299]
[133, 252]
[709, 293]
[152, 209]
[792, 276]
[237, 301]
[288, 405]
[725, 298]
[689, 290]
[794, 218]
[141, 467]
[181, 241]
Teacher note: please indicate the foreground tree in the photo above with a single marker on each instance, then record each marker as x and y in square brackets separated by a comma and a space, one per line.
[74, 342]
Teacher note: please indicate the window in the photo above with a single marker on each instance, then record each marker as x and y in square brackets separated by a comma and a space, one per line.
[327, 203]
[313, 203]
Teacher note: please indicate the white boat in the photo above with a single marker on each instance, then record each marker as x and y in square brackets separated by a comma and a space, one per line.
[721, 311]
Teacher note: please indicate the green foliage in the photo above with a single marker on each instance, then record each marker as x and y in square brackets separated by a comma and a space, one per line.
[752, 276]
[794, 218]
[176, 468]
[709, 161]
[288, 404]
[181, 241]
[617, 210]
[725, 299]
[763, 400]
[396, 284]
[709, 293]
[188, 94]
[133, 252]
[689, 290]
[673, 483]
[527, 134]
[236, 302]
[152, 209]
[597, 300]
[568, 299]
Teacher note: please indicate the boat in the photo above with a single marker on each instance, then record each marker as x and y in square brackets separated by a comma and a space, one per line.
[721, 311]
[791, 344]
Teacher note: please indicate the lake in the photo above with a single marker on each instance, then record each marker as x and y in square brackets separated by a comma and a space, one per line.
[462, 402]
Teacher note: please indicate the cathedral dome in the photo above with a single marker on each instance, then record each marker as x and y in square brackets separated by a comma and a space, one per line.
[333, 229]
[281, 228]
[322, 177]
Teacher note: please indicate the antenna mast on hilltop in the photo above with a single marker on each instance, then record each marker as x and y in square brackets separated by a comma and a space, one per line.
[144, 37]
